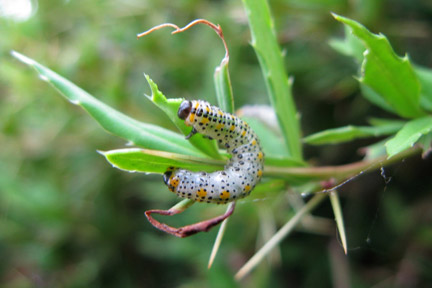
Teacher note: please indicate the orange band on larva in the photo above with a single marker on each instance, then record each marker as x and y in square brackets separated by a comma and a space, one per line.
[241, 173]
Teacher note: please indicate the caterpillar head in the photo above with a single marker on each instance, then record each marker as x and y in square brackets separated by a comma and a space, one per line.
[184, 109]
[169, 180]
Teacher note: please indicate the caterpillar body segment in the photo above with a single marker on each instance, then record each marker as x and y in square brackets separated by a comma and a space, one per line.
[242, 172]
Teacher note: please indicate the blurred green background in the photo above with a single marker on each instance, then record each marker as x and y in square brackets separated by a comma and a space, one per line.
[68, 219]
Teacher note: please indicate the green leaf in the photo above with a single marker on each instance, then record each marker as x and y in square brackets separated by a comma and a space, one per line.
[271, 143]
[376, 99]
[140, 134]
[409, 135]
[397, 124]
[279, 88]
[425, 77]
[170, 107]
[153, 161]
[374, 151]
[350, 46]
[224, 94]
[347, 133]
[389, 76]
[337, 211]
[426, 143]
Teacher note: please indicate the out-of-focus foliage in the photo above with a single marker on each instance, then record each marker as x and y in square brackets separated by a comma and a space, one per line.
[68, 219]
[390, 82]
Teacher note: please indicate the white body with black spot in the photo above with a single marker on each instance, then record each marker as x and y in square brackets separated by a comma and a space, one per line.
[242, 172]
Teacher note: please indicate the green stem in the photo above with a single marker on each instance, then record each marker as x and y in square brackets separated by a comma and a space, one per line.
[338, 172]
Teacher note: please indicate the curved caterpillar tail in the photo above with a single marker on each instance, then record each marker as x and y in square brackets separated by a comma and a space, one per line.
[242, 172]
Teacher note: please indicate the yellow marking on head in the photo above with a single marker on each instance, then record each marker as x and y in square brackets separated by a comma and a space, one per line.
[224, 195]
[254, 142]
[260, 172]
[205, 120]
[220, 126]
[243, 133]
[174, 182]
[201, 192]
[247, 188]
[260, 155]
[232, 127]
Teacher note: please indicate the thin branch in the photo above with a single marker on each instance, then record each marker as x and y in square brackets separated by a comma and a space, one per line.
[219, 238]
[341, 171]
[279, 236]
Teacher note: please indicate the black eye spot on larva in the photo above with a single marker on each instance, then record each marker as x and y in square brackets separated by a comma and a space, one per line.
[184, 109]
[166, 176]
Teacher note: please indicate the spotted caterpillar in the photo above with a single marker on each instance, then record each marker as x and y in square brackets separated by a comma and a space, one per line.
[242, 172]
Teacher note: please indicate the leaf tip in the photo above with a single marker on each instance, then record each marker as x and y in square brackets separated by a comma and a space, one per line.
[290, 80]
[73, 101]
[44, 78]
[337, 16]
[22, 58]
[103, 153]
[334, 15]
[150, 97]
[389, 149]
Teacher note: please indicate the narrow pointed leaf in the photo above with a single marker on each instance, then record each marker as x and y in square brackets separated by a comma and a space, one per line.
[425, 77]
[224, 94]
[218, 239]
[279, 88]
[409, 135]
[350, 46]
[272, 144]
[337, 211]
[426, 143]
[348, 133]
[170, 107]
[140, 134]
[152, 161]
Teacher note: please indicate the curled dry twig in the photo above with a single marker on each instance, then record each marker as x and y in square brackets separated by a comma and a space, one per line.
[188, 230]
[207, 224]
[215, 27]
